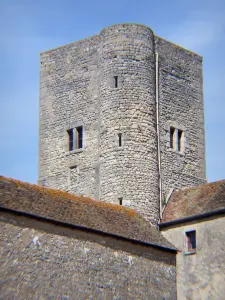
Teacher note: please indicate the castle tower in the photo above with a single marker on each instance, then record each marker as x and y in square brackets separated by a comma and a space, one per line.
[122, 118]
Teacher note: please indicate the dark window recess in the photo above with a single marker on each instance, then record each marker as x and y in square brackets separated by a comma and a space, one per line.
[71, 140]
[79, 133]
[191, 240]
[120, 139]
[116, 81]
[73, 168]
[120, 201]
[179, 140]
[172, 137]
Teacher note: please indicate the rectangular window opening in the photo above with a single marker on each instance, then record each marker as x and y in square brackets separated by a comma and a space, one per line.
[179, 139]
[116, 81]
[120, 139]
[191, 240]
[120, 201]
[172, 137]
[75, 138]
[73, 174]
[70, 139]
[79, 137]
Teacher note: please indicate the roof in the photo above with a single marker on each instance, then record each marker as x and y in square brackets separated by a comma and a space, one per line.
[201, 199]
[78, 210]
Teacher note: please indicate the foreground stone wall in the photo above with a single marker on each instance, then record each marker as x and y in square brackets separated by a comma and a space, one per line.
[200, 275]
[40, 260]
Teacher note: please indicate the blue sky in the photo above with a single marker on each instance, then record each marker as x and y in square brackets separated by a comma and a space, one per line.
[30, 27]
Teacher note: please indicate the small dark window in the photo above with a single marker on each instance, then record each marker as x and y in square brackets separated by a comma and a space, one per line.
[79, 137]
[116, 81]
[191, 241]
[73, 168]
[172, 137]
[71, 140]
[179, 140]
[120, 139]
[120, 201]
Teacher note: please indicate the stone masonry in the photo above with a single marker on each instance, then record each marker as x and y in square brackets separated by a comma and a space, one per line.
[44, 261]
[107, 84]
[55, 245]
[200, 275]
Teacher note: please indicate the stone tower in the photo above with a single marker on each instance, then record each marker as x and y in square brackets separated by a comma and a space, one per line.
[122, 118]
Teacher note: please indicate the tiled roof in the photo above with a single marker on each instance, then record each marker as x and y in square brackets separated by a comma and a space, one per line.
[201, 199]
[78, 210]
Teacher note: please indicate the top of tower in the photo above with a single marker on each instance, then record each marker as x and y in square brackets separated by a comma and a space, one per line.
[124, 26]
[119, 28]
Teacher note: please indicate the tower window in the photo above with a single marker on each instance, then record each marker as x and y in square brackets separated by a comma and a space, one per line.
[73, 175]
[75, 138]
[191, 240]
[172, 137]
[71, 140]
[176, 139]
[73, 168]
[115, 81]
[120, 139]
[120, 201]
[79, 137]
[179, 139]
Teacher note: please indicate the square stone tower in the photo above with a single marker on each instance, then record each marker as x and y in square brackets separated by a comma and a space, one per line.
[122, 118]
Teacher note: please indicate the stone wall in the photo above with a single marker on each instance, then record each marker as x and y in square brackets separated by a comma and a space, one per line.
[68, 99]
[77, 88]
[200, 275]
[42, 260]
[181, 106]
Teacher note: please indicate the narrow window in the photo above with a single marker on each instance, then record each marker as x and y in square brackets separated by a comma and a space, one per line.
[191, 240]
[75, 137]
[70, 139]
[116, 81]
[179, 140]
[120, 201]
[172, 137]
[73, 174]
[79, 137]
[120, 139]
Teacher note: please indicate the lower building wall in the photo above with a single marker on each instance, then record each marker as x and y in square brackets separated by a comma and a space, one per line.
[44, 261]
[200, 275]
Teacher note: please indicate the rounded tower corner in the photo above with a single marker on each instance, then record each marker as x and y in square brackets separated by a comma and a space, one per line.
[128, 140]
[125, 31]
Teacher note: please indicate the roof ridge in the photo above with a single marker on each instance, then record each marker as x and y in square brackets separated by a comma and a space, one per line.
[55, 193]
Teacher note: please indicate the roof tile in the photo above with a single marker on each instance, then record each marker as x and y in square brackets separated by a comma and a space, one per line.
[78, 210]
[193, 201]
